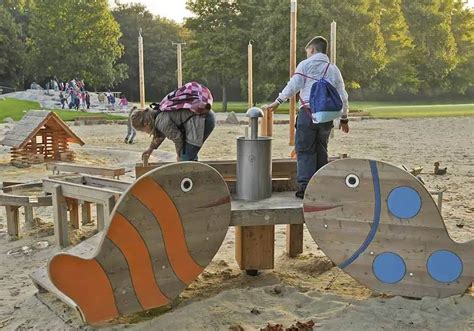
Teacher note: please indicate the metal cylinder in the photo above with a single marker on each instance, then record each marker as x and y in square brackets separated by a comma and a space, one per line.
[254, 162]
[254, 128]
[254, 168]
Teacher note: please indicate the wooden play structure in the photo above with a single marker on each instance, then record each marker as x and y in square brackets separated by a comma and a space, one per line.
[376, 222]
[40, 136]
[58, 167]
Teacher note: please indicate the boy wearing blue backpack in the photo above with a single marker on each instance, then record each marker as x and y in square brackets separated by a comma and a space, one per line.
[323, 98]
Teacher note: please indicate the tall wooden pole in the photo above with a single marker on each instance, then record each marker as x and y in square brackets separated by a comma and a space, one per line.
[180, 62]
[333, 42]
[250, 75]
[294, 16]
[141, 70]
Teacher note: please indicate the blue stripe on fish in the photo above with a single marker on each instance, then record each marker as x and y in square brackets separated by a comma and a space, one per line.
[376, 220]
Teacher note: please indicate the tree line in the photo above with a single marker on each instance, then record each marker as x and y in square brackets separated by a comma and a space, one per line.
[386, 49]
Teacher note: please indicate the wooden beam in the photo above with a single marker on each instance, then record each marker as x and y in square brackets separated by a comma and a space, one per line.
[80, 192]
[13, 222]
[293, 42]
[294, 239]
[104, 211]
[255, 247]
[60, 217]
[29, 217]
[86, 212]
[73, 208]
[57, 167]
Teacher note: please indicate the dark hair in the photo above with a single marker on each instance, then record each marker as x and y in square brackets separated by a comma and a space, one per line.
[319, 43]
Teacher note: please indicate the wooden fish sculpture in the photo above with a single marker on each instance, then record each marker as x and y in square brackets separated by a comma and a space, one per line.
[163, 232]
[380, 225]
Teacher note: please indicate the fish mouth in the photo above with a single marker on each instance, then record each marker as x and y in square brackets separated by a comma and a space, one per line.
[220, 202]
[317, 209]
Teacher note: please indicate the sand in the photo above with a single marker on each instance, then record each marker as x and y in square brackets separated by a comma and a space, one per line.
[302, 289]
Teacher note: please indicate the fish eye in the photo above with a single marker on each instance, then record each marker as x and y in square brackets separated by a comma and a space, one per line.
[352, 181]
[186, 185]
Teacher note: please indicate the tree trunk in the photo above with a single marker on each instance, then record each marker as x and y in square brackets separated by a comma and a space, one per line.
[224, 98]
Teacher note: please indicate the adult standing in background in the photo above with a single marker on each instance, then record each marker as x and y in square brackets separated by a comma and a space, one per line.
[312, 138]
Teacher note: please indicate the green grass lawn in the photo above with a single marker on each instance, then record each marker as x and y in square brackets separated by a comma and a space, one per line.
[382, 109]
[16, 109]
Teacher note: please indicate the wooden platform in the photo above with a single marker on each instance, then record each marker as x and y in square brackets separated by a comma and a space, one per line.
[58, 167]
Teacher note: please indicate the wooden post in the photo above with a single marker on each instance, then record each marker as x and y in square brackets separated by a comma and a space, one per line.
[141, 70]
[294, 233]
[13, 222]
[333, 42]
[333, 51]
[293, 29]
[29, 216]
[180, 62]
[73, 208]
[103, 213]
[250, 75]
[60, 217]
[255, 247]
[86, 212]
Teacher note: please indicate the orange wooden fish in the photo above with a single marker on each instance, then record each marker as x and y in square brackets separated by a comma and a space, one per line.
[163, 232]
[380, 225]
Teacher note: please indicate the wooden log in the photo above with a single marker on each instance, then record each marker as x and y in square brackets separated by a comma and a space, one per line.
[13, 223]
[60, 217]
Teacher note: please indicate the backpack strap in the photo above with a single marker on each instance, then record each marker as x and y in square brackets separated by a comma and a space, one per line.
[326, 71]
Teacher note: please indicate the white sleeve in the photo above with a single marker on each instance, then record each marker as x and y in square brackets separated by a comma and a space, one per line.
[341, 88]
[295, 85]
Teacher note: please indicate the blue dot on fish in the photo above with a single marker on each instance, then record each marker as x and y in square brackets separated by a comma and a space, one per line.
[404, 202]
[389, 268]
[444, 266]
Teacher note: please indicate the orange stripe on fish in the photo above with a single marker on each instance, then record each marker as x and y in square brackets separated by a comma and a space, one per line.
[91, 290]
[149, 192]
[126, 237]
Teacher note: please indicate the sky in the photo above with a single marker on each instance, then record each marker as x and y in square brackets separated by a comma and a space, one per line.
[176, 9]
[173, 9]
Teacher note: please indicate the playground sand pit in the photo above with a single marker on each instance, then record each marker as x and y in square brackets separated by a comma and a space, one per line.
[301, 289]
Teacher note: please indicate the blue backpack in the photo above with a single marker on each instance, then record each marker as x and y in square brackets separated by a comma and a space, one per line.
[324, 100]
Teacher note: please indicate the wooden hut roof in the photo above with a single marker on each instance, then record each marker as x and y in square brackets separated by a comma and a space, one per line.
[31, 123]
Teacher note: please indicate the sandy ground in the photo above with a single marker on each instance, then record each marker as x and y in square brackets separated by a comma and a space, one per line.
[301, 289]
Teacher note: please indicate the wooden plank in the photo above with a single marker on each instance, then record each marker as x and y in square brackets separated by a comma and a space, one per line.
[106, 183]
[85, 169]
[60, 217]
[13, 221]
[381, 225]
[80, 192]
[104, 211]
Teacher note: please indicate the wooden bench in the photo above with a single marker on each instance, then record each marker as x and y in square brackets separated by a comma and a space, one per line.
[57, 167]
[14, 196]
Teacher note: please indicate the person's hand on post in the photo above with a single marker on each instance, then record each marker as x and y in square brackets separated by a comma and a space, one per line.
[146, 156]
[344, 125]
[271, 107]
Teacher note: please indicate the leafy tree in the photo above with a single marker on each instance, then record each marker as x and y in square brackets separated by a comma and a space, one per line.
[399, 74]
[75, 38]
[11, 50]
[159, 54]
[462, 77]
[217, 49]
[435, 47]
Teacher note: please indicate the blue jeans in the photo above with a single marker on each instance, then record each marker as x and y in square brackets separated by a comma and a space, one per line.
[311, 146]
[190, 152]
[131, 133]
